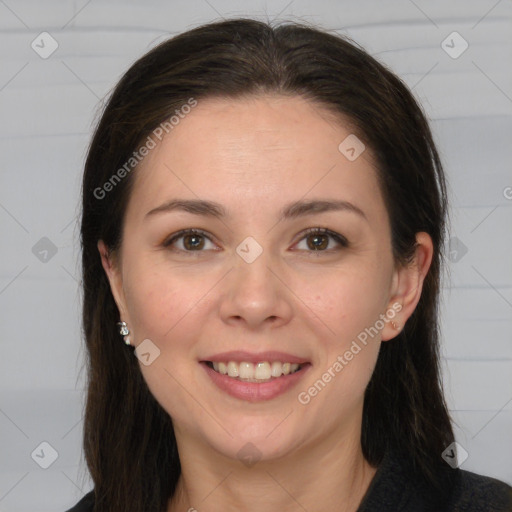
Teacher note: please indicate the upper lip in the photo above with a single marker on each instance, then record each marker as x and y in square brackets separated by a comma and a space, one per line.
[249, 357]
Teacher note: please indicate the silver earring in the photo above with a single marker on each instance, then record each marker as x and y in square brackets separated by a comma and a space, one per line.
[124, 331]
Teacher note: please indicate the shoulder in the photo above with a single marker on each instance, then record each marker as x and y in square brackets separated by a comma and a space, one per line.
[479, 493]
[400, 487]
[86, 504]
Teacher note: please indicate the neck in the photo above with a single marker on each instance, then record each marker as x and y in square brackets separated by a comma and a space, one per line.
[333, 474]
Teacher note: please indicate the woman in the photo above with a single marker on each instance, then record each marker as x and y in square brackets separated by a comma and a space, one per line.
[263, 216]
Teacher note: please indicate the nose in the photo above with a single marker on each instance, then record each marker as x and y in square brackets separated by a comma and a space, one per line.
[256, 295]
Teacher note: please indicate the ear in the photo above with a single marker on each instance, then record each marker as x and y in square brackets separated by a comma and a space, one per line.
[113, 271]
[407, 286]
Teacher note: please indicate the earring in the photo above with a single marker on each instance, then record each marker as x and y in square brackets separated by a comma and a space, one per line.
[396, 326]
[124, 331]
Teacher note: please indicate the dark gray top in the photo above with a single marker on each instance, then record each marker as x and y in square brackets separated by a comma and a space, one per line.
[395, 489]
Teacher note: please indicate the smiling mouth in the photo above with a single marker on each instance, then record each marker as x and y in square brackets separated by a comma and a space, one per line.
[264, 371]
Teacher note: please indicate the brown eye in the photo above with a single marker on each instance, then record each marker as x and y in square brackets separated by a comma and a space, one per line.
[188, 240]
[192, 242]
[319, 240]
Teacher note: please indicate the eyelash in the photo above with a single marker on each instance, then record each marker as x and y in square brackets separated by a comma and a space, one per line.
[341, 240]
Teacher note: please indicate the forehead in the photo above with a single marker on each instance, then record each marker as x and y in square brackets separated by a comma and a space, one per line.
[260, 148]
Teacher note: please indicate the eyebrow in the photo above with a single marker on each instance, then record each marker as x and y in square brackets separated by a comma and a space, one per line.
[290, 211]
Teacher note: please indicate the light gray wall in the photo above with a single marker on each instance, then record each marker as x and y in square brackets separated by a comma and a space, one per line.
[47, 107]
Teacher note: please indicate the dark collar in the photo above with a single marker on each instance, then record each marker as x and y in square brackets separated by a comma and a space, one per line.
[396, 488]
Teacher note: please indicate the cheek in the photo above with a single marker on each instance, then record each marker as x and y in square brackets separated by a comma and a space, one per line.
[164, 308]
[350, 305]
[348, 357]
[351, 300]
[159, 298]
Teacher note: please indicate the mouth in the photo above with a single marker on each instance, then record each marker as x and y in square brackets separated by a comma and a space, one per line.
[263, 371]
[255, 377]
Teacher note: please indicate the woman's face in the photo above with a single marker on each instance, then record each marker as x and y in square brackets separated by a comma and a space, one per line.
[254, 282]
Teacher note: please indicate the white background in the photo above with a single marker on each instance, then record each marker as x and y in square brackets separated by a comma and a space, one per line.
[47, 109]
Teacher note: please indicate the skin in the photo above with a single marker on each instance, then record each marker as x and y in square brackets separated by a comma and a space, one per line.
[253, 156]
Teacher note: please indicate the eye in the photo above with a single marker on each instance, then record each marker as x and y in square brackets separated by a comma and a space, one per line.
[196, 240]
[191, 240]
[317, 240]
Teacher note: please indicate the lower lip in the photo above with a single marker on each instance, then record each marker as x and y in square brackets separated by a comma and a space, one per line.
[253, 391]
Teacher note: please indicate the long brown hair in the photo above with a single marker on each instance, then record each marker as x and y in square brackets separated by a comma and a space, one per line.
[129, 441]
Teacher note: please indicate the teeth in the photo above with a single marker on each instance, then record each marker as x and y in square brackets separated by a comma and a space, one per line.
[233, 369]
[255, 372]
[246, 371]
[276, 369]
[262, 371]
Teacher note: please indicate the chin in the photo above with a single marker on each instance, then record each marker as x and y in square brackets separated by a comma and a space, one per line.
[252, 449]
